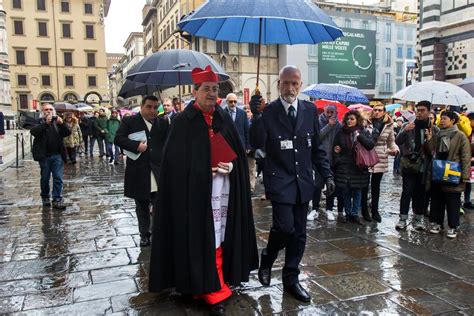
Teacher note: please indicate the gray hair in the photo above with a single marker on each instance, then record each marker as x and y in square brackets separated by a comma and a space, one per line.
[289, 68]
[231, 95]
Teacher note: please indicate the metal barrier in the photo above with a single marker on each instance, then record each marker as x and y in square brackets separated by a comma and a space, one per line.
[20, 139]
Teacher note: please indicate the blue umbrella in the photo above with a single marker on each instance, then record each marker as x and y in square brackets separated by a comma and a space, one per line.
[392, 107]
[338, 92]
[261, 21]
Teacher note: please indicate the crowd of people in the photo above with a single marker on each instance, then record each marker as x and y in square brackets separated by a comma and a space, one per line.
[194, 169]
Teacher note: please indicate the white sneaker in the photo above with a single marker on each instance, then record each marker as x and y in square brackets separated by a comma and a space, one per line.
[312, 215]
[435, 228]
[330, 215]
[451, 233]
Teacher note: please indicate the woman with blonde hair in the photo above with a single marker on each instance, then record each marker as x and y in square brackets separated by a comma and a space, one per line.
[382, 128]
[73, 141]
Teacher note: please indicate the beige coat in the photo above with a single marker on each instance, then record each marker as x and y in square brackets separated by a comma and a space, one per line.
[459, 151]
[385, 142]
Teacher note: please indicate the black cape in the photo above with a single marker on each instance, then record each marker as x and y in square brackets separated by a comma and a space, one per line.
[183, 246]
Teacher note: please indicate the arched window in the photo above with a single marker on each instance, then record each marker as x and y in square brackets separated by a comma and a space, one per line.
[70, 97]
[47, 97]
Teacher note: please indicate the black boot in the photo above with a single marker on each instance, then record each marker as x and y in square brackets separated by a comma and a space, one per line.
[376, 216]
[217, 309]
[365, 215]
[265, 270]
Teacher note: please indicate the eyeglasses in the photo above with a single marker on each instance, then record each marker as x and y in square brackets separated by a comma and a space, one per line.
[214, 89]
[377, 110]
[232, 101]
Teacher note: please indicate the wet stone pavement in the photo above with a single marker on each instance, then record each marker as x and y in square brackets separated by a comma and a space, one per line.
[86, 259]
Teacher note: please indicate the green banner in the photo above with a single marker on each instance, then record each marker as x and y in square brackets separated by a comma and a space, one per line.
[349, 60]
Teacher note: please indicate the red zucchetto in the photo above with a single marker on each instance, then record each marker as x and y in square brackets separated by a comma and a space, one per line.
[207, 75]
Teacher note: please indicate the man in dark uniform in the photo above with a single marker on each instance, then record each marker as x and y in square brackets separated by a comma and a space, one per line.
[203, 230]
[288, 130]
[141, 173]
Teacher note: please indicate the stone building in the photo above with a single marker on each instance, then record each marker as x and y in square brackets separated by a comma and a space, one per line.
[57, 51]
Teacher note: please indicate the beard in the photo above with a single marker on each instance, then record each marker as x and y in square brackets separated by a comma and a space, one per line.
[289, 98]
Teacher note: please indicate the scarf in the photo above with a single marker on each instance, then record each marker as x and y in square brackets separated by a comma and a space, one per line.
[348, 132]
[378, 124]
[444, 136]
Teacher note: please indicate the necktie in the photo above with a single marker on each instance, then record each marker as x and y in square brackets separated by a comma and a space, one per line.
[292, 115]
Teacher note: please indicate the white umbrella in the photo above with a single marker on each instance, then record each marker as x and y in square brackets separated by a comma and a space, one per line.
[437, 92]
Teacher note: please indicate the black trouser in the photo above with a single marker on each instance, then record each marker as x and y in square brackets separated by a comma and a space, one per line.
[85, 139]
[318, 188]
[340, 200]
[413, 189]
[288, 231]
[375, 180]
[441, 201]
[142, 208]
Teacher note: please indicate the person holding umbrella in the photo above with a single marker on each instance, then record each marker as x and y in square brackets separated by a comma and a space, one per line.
[203, 230]
[288, 130]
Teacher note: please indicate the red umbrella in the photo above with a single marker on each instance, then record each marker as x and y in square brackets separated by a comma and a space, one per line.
[341, 108]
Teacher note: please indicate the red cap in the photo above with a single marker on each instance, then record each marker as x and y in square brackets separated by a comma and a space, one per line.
[206, 75]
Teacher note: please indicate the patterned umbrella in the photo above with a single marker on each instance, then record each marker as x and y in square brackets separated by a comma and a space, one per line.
[335, 91]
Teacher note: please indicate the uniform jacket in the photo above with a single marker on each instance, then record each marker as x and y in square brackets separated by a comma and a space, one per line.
[40, 133]
[242, 125]
[183, 248]
[385, 142]
[459, 151]
[288, 170]
[137, 172]
[347, 174]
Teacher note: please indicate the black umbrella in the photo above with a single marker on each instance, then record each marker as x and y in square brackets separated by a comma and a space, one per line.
[131, 89]
[64, 107]
[172, 67]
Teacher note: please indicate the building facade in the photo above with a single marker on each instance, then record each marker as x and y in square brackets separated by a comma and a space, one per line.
[5, 97]
[446, 40]
[57, 51]
[150, 27]
[392, 49]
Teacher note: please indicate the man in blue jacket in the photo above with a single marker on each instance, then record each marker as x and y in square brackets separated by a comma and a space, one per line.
[288, 130]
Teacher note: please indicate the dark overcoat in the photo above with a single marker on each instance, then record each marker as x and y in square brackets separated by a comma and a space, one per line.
[183, 245]
[288, 171]
[137, 172]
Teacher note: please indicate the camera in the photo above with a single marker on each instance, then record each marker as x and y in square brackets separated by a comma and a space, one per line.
[54, 118]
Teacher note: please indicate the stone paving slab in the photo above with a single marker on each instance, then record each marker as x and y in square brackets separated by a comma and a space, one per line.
[86, 259]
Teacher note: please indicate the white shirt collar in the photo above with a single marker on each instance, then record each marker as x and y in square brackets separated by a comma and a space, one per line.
[286, 105]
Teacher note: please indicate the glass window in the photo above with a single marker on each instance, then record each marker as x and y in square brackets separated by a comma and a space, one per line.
[42, 29]
[388, 84]
[348, 23]
[90, 59]
[399, 84]
[20, 57]
[16, 4]
[312, 50]
[67, 58]
[92, 81]
[18, 26]
[46, 80]
[88, 8]
[69, 80]
[409, 35]
[41, 5]
[44, 58]
[222, 47]
[66, 30]
[399, 33]
[64, 6]
[388, 57]
[89, 31]
[252, 49]
[409, 52]
[21, 80]
[197, 44]
[399, 69]
[388, 32]
[365, 25]
[399, 52]
[312, 74]
[23, 101]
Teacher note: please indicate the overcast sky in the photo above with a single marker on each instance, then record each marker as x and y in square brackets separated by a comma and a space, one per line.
[125, 16]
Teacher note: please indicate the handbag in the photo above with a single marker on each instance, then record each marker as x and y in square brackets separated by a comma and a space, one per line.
[447, 172]
[364, 157]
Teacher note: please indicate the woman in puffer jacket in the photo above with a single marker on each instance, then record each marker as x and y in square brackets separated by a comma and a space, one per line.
[349, 178]
[380, 124]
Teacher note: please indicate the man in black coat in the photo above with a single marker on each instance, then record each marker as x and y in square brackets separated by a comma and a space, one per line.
[240, 120]
[141, 174]
[48, 150]
[189, 251]
[288, 131]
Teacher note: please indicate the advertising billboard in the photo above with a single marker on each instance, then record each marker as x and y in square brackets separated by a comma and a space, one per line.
[349, 60]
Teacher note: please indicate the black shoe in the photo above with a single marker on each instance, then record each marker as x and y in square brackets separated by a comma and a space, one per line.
[355, 219]
[264, 276]
[376, 217]
[116, 162]
[111, 160]
[298, 292]
[366, 217]
[217, 309]
[46, 202]
[59, 205]
[145, 241]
